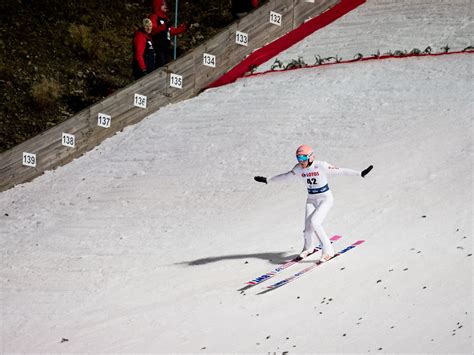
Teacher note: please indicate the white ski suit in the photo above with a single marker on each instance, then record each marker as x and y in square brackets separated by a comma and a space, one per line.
[320, 199]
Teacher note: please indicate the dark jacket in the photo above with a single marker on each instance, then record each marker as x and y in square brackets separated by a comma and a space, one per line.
[243, 6]
[162, 31]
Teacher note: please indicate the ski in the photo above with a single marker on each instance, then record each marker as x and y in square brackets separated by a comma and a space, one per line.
[309, 268]
[283, 266]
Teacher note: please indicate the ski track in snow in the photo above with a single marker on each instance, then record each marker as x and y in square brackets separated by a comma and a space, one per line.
[142, 244]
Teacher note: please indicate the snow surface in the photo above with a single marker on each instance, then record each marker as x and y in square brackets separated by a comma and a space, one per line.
[142, 244]
[388, 25]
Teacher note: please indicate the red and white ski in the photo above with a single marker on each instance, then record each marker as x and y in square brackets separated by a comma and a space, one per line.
[309, 268]
[283, 266]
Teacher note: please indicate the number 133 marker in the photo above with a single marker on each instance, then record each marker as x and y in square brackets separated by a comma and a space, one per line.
[241, 38]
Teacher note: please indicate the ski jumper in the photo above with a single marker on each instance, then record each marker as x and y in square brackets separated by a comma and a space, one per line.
[319, 201]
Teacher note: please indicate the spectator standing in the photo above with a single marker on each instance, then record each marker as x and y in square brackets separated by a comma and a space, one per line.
[240, 8]
[144, 56]
[163, 31]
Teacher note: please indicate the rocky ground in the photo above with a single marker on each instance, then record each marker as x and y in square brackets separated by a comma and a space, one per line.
[58, 57]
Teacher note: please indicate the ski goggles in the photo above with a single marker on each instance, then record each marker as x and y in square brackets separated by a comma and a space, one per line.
[302, 158]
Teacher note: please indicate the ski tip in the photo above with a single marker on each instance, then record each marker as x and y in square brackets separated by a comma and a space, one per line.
[245, 288]
[359, 242]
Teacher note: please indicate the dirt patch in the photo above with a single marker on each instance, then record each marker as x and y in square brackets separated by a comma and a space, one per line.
[58, 57]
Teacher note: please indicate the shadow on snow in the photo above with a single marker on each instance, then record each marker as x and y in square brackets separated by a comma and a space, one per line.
[274, 258]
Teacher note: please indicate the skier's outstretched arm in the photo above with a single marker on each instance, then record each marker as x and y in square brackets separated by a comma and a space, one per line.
[278, 178]
[332, 170]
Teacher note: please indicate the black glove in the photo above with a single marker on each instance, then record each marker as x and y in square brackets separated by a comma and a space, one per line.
[366, 171]
[261, 179]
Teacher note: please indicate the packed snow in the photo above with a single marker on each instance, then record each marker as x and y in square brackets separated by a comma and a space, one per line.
[383, 26]
[142, 244]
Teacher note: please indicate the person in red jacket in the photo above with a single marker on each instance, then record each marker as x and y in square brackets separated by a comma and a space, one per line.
[163, 31]
[144, 56]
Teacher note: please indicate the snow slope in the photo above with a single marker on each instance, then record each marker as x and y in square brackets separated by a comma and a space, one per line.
[388, 25]
[142, 244]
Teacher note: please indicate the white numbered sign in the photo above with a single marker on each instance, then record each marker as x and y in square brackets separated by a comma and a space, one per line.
[176, 81]
[275, 18]
[29, 159]
[103, 120]
[68, 140]
[209, 60]
[241, 38]
[139, 101]
[311, 1]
